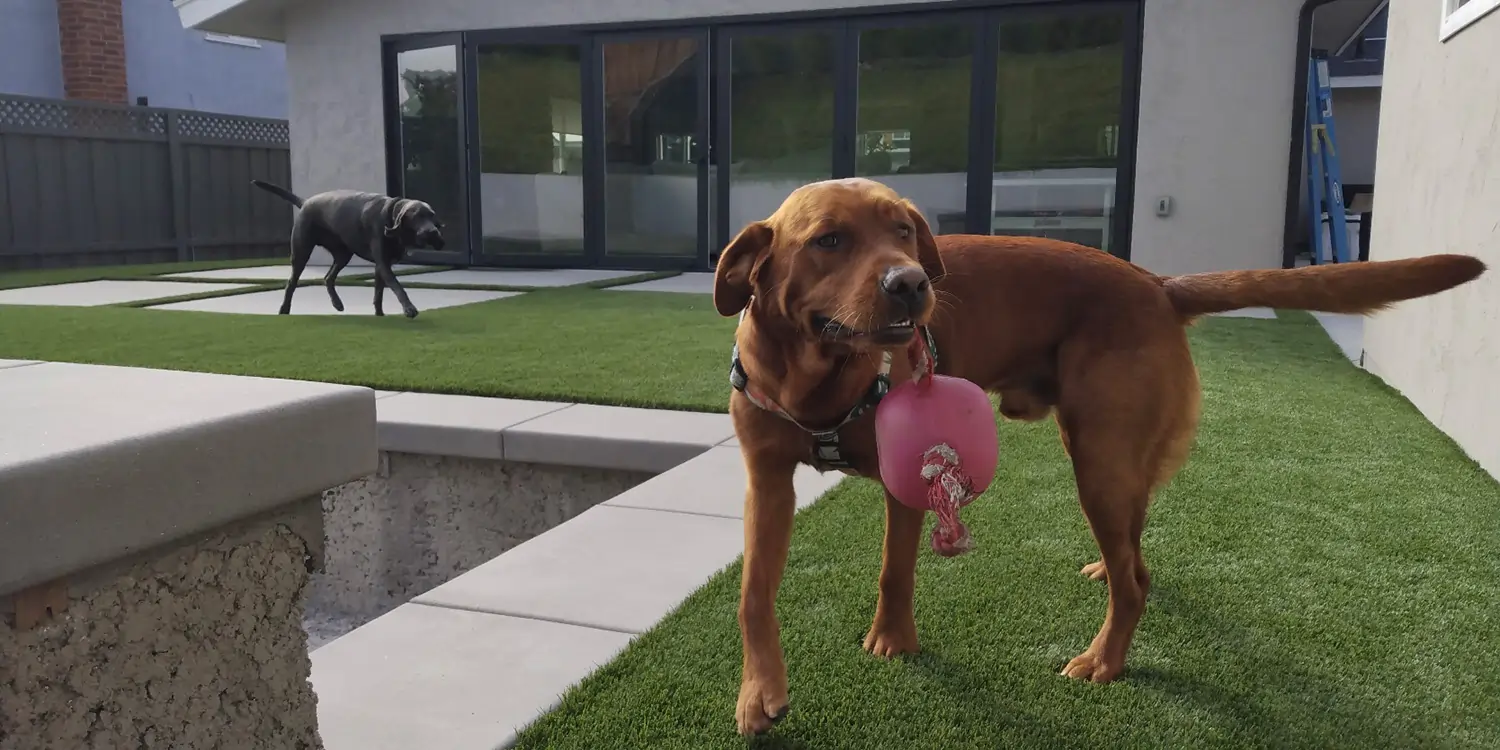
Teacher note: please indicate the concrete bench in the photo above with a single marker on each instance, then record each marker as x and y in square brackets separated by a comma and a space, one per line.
[471, 661]
[157, 533]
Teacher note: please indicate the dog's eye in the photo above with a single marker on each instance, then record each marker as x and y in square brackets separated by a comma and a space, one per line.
[904, 231]
[828, 241]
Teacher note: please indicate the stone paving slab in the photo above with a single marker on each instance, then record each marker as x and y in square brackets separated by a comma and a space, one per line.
[281, 272]
[459, 426]
[713, 484]
[95, 293]
[520, 277]
[616, 437]
[1258, 313]
[687, 283]
[7, 363]
[609, 567]
[313, 300]
[434, 677]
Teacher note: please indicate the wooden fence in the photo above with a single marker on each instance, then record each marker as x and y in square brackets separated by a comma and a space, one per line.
[85, 184]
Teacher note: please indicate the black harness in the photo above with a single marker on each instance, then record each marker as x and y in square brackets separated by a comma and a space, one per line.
[827, 453]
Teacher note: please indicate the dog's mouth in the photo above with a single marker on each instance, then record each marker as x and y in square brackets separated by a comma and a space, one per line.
[893, 334]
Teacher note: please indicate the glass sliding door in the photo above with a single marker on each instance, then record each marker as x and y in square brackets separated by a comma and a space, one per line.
[913, 113]
[654, 120]
[781, 84]
[530, 153]
[427, 155]
[1059, 86]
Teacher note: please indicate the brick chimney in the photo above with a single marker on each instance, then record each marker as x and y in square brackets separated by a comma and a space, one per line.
[92, 33]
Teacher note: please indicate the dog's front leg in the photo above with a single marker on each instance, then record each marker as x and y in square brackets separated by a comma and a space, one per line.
[379, 295]
[894, 630]
[384, 272]
[770, 504]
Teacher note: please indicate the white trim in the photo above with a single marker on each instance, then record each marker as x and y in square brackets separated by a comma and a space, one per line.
[1362, 26]
[1456, 17]
[1356, 82]
[238, 41]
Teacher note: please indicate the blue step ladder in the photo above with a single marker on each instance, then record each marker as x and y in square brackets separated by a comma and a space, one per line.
[1325, 182]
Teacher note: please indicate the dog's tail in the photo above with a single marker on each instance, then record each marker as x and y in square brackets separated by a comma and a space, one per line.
[1358, 288]
[278, 191]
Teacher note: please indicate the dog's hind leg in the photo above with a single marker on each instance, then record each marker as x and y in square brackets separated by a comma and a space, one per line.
[340, 259]
[302, 249]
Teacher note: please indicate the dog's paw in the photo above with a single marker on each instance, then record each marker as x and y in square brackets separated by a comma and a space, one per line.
[1092, 667]
[410, 312]
[890, 641]
[1095, 571]
[284, 311]
[762, 703]
[337, 305]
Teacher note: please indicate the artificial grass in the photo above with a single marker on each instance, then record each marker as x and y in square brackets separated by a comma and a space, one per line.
[571, 344]
[1324, 575]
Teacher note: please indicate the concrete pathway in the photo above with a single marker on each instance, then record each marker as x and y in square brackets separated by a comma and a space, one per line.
[687, 283]
[469, 663]
[96, 293]
[526, 278]
[281, 272]
[313, 300]
[1348, 331]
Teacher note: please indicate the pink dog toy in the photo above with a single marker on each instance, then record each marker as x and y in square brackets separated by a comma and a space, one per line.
[938, 446]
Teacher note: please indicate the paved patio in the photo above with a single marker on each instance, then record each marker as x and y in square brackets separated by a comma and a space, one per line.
[541, 278]
[313, 300]
[281, 272]
[470, 662]
[687, 283]
[97, 293]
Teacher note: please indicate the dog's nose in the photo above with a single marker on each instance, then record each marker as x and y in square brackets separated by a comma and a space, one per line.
[907, 286]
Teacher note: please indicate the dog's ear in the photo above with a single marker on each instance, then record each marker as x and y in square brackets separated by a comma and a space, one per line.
[391, 215]
[927, 252]
[739, 264]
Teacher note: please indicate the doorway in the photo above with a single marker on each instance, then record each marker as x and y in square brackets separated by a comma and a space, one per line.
[650, 148]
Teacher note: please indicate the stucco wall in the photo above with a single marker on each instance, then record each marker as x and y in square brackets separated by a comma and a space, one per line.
[30, 53]
[1439, 167]
[199, 647]
[1215, 114]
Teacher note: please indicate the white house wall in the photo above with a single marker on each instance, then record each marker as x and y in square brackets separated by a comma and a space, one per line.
[1214, 128]
[1439, 192]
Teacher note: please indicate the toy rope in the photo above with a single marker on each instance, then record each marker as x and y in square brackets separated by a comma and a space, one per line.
[948, 486]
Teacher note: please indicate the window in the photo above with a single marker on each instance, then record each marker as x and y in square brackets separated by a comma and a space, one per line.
[1458, 14]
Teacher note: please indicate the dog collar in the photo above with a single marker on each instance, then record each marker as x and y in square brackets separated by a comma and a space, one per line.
[827, 453]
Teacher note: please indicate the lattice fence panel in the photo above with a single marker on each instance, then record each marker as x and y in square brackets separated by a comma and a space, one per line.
[78, 117]
[207, 126]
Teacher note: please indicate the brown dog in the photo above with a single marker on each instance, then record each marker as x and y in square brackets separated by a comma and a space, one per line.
[846, 270]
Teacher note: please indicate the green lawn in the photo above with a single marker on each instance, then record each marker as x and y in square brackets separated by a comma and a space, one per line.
[576, 344]
[1324, 570]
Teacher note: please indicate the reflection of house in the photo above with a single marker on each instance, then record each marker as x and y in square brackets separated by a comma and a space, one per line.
[625, 136]
[122, 52]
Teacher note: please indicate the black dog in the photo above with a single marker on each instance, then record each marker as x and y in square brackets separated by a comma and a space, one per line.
[347, 223]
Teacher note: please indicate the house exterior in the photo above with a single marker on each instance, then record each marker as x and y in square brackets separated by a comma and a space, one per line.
[642, 134]
[123, 51]
[1439, 166]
